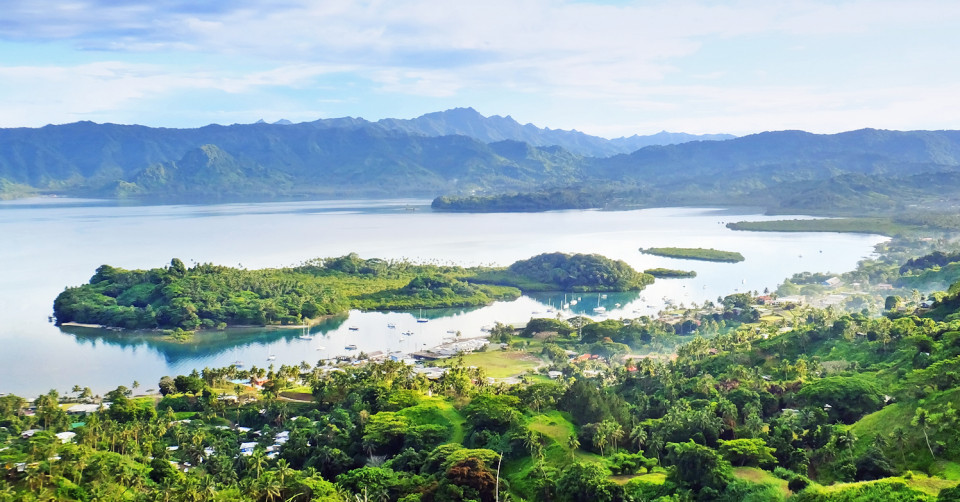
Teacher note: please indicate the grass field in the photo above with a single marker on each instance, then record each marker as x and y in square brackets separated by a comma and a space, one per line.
[654, 478]
[498, 363]
[919, 482]
[761, 477]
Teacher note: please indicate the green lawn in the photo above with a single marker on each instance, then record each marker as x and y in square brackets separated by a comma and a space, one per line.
[919, 482]
[761, 477]
[654, 478]
[498, 363]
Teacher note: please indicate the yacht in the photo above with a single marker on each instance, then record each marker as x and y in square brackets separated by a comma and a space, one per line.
[351, 347]
[598, 309]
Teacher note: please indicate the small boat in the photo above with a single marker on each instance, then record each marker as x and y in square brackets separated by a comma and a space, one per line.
[321, 348]
[451, 331]
[353, 328]
[238, 364]
[408, 333]
[598, 309]
[351, 347]
[421, 318]
[306, 337]
[271, 357]
[391, 325]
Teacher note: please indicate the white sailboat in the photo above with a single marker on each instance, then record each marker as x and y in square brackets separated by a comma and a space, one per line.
[598, 309]
[421, 318]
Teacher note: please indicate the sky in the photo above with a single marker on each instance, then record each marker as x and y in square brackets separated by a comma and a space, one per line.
[608, 68]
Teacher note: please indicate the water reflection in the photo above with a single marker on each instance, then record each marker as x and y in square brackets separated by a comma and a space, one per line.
[205, 344]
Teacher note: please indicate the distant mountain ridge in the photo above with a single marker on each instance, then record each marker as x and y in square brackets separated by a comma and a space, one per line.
[469, 122]
[353, 157]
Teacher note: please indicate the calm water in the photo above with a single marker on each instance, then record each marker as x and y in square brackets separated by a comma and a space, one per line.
[47, 244]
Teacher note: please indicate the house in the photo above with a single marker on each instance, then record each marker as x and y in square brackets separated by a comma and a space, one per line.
[66, 437]
[79, 409]
[832, 282]
[554, 374]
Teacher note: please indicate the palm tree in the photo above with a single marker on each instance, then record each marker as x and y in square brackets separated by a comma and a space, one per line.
[271, 486]
[899, 435]
[600, 439]
[922, 418]
[284, 471]
[616, 433]
[638, 436]
[531, 440]
[257, 461]
[573, 443]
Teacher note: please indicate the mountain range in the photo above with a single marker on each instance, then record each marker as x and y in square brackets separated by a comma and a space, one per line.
[462, 153]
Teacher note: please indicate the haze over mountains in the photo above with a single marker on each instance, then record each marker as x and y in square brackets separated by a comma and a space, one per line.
[461, 152]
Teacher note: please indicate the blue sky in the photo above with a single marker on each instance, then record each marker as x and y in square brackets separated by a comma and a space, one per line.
[608, 68]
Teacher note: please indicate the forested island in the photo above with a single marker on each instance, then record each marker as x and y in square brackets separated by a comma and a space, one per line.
[208, 296]
[695, 254]
[669, 273]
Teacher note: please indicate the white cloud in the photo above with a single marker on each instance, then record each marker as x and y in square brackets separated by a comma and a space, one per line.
[642, 57]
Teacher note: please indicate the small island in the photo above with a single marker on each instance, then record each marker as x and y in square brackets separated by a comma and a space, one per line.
[882, 226]
[669, 273]
[696, 254]
[208, 296]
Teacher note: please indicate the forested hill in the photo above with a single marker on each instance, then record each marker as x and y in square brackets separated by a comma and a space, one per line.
[355, 158]
[264, 160]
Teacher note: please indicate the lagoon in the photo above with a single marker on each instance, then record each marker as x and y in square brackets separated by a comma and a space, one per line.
[47, 244]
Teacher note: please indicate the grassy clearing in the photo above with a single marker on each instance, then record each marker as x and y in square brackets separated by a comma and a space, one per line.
[928, 485]
[761, 477]
[554, 425]
[919, 482]
[435, 410]
[653, 478]
[947, 470]
[498, 363]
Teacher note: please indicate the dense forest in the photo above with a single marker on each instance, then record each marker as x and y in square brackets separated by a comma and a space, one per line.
[208, 296]
[827, 407]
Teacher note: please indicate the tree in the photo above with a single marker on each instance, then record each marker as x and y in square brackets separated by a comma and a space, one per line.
[697, 467]
[849, 397]
[921, 418]
[587, 483]
[899, 436]
[747, 452]
[638, 435]
[471, 472]
[573, 443]
[167, 386]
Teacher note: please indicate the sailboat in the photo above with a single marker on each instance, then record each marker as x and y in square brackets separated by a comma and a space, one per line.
[598, 309]
[306, 334]
[421, 318]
